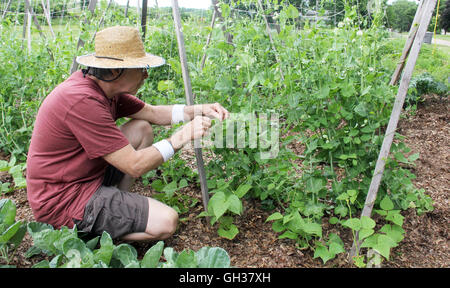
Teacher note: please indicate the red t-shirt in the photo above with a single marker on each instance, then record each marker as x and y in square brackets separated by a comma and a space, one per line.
[74, 128]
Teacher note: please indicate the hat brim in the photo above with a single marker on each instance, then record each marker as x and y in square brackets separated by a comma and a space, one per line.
[149, 60]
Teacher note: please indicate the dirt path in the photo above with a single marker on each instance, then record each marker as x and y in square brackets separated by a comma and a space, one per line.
[440, 42]
[426, 242]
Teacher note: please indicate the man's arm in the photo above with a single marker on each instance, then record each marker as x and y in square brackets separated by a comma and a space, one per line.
[162, 114]
[135, 162]
[159, 115]
[138, 162]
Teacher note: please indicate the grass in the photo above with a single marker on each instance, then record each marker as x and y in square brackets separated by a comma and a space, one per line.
[442, 37]
[436, 63]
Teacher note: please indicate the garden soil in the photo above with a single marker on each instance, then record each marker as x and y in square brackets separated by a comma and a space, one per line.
[426, 242]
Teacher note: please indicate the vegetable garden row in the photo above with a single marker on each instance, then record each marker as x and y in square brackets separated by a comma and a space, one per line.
[328, 86]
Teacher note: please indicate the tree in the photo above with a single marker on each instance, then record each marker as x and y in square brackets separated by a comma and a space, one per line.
[400, 15]
[442, 6]
[445, 17]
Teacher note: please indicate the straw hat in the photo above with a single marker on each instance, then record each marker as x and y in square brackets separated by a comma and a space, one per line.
[119, 47]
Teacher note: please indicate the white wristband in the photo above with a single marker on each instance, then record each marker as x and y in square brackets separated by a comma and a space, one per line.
[178, 113]
[165, 148]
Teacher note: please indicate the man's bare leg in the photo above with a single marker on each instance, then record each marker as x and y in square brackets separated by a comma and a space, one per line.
[162, 219]
[140, 135]
[161, 224]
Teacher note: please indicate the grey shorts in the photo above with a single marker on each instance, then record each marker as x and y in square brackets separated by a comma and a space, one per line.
[114, 211]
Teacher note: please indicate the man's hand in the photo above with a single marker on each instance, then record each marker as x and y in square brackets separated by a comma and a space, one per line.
[215, 111]
[195, 129]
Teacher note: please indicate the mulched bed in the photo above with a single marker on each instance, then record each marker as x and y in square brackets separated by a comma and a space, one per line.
[426, 242]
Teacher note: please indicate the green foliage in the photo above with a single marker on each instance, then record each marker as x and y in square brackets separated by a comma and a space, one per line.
[400, 15]
[333, 99]
[11, 231]
[445, 16]
[422, 85]
[16, 171]
[69, 251]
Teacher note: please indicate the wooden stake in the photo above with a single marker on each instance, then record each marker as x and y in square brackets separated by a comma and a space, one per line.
[47, 16]
[209, 39]
[144, 19]
[408, 43]
[270, 38]
[228, 36]
[395, 115]
[28, 31]
[126, 8]
[36, 22]
[189, 99]
[6, 9]
[101, 20]
[80, 43]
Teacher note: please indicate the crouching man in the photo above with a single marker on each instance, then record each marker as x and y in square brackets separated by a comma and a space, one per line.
[81, 166]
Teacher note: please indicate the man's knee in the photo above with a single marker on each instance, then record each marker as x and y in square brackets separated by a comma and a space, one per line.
[146, 131]
[169, 224]
[139, 133]
[164, 224]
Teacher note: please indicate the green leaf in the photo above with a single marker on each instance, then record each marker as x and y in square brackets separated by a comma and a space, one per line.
[42, 264]
[336, 248]
[228, 231]
[395, 232]
[218, 204]
[242, 190]
[344, 196]
[314, 185]
[313, 229]
[105, 252]
[165, 85]
[186, 259]
[324, 254]
[7, 212]
[158, 185]
[91, 244]
[274, 216]
[395, 217]
[4, 166]
[183, 183]
[56, 261]
[10, 232]
[278, 226]
[413, 157]
[384, 245]
[361, 109]
[288, 234]
[400, 157]
[367, 222]
[234, 204]
[353, 223]
[170, 188]
[152, 256]
[365, 232]
[18, 236]
[386, 203]
[171, 256]
[333, 220]
[76, 244]
[214, 257]
[125, 253]
[341, 210]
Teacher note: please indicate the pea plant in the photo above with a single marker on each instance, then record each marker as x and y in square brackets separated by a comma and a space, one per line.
[336, 98]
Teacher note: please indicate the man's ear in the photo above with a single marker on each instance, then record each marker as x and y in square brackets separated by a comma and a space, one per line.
[115, 72]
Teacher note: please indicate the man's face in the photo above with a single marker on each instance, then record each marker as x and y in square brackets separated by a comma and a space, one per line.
[131, 80]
